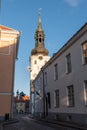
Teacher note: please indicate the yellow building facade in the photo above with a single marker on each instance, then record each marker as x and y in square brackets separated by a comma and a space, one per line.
[21, 104]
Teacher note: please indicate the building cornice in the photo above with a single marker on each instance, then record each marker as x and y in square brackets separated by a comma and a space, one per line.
[68, 44]
[7, 30]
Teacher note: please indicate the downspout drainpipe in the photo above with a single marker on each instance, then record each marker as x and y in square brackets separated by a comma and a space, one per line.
[43, 94]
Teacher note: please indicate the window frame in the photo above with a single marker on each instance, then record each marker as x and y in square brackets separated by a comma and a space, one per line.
[70, 96]
[68, 63]
[49, 99]
[56, 98]
[83, 59]
[45, 78]
[56, 71]
[85, 92]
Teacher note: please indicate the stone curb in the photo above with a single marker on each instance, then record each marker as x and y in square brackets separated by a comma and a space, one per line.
[63, 123]
[8, 122]
[3, 123]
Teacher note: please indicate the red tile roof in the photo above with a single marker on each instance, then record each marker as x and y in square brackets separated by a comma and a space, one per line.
[21, 98]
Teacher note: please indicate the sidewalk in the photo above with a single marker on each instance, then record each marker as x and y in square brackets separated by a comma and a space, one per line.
[3, 122]
[62, 123]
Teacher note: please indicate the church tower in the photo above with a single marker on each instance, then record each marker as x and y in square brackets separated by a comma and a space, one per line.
[39, 57]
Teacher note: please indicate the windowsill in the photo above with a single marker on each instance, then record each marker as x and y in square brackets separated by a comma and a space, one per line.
[55, 79]
[56, 107]
[70, 106]
[84, 64]
[68, 72]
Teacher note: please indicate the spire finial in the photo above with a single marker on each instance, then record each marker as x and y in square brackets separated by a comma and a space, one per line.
[39, 11]
[39, 19]
[39, 14]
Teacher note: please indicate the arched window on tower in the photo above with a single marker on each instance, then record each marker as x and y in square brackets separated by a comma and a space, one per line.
[40, 40]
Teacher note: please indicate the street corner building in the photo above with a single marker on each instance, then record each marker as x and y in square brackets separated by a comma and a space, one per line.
[9, 42]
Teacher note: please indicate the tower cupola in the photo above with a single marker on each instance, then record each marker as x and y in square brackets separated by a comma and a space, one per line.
[39, 40]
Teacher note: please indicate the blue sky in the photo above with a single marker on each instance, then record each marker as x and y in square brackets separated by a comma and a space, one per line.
[61, 19]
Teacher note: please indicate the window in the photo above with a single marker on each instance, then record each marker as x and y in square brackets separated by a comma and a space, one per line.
[68, 63]
[35, 62]
[56, 98]
[85, 91]
[70, 90]
[45, 78]
[49, 100]
[84, 52]
[55, 71]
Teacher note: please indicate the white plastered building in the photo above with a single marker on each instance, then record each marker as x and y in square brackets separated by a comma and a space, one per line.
[63, 82]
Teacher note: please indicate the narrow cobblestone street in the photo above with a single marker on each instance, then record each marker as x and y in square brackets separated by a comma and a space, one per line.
[26, 123]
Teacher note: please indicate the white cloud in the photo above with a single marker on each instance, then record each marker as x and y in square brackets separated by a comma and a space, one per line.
[73, 3]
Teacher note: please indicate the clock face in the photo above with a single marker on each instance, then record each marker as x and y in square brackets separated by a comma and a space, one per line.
[40, 57]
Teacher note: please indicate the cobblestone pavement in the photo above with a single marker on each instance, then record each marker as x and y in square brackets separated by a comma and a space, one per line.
[26, 123]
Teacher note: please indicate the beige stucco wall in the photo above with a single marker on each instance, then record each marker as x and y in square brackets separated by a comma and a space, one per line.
[5, 104]
[8, 51]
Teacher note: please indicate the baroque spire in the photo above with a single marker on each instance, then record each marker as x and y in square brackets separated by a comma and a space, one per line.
[39, 40]
[39, 22]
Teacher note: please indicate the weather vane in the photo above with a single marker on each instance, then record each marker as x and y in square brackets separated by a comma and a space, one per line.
[39, 11]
